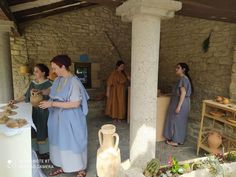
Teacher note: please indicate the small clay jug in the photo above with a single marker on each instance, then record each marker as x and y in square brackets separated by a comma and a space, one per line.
[214, 142]
[36, 97]
[108, 155]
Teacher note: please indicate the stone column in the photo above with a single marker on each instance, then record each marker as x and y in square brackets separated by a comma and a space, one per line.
[146, 16]
[6, 86]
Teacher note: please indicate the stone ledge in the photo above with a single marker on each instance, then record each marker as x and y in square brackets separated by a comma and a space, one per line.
[229, 171]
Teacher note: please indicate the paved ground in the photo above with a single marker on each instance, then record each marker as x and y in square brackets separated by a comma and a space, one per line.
[163, 152]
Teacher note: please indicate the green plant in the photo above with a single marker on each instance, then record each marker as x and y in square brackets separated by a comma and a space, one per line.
[206, 43]
[152, 168]
[213, 164]
[187, 167]
[176, 168]
[231, 157]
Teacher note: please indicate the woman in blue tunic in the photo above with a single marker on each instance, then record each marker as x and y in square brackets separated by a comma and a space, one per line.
[178, 111]
[67, 127]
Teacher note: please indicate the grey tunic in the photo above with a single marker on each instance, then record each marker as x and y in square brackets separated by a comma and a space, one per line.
[176, 124]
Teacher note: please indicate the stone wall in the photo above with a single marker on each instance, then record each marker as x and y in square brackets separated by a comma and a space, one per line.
[73, 33]
[181, 41]
[233, 78]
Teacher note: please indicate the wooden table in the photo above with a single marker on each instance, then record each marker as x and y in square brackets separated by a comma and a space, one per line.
[229, 143]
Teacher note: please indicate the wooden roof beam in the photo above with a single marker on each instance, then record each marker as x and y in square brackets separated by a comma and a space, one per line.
[55, 11]
[6, 10]
[32, 4]
[41, 9]
[15, 2]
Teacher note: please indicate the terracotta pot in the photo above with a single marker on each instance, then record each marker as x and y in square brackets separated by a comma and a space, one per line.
[35, 98]
[108, 155]
[214, 142]
[226, 101]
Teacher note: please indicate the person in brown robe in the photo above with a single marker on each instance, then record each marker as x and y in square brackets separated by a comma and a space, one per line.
[116, 87]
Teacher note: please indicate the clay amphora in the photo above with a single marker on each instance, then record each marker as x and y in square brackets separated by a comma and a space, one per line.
[108, 155]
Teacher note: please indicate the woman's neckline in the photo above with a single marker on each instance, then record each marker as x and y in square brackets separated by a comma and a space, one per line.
[38, 83]
[68, 76]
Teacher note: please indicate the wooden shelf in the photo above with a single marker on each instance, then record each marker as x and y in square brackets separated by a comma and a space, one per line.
[225, 107]
[221, 119]
[202, 138]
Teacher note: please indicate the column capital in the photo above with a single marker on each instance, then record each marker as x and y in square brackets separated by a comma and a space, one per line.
[6, 25]
[159, 8]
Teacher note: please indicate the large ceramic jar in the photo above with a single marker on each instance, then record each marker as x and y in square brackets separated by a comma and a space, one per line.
[214, 142]
[35, 98]
[108, 155]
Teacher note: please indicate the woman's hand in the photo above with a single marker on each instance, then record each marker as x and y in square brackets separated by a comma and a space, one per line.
[45, 104]
[177, 110]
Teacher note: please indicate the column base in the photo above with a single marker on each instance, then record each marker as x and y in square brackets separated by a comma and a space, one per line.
[126, 170]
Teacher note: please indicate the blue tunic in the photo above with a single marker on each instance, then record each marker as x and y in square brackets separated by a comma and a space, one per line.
[67, 128]
[176, 124]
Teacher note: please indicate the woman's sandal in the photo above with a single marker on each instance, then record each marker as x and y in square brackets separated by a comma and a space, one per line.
[81, 173]
[56, 172]
[171, 143]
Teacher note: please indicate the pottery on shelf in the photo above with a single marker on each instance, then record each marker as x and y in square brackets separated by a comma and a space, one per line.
[36, 97]
[108, 155]
[214, 142]
[226, 101]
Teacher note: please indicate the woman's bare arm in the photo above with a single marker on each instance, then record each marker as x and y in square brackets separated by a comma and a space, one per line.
[182, 96]
[18, 100]
[65, 105]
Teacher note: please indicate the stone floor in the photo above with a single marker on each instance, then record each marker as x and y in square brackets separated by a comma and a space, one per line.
[187, 151]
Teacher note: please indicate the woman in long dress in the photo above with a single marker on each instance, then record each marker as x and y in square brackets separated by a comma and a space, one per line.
[116, 89]
[39, 116]
[67, 127]
[178, 111]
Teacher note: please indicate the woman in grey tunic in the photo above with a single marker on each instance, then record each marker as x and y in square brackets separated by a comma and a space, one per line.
[178, 111]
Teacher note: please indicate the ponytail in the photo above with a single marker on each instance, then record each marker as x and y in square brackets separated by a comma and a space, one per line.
[186, 72]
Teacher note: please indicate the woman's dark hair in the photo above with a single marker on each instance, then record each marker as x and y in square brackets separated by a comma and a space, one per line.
[62, 60]
[186, 70]
[119, 62]
[43, 68]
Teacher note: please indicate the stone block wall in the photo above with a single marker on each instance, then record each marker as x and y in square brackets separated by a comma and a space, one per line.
[73, 33]
[181, 41]
[233, 77]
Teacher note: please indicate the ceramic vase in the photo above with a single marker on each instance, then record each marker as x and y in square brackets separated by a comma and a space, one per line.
[35, 98]
[108, 155]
